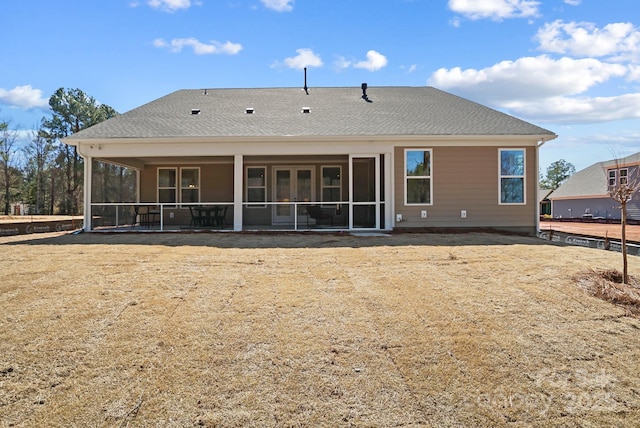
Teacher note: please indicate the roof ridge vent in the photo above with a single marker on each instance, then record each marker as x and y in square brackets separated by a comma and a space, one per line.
[249, 110]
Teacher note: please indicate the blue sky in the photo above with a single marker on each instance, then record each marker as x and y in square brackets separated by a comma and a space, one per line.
[571, 66]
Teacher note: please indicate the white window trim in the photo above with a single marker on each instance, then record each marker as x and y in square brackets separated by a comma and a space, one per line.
[247, 187]
[322, 186]
[523, 176]
[176, 188]
[624, 176]
[613, 177]
[430, 177]
[198, 186]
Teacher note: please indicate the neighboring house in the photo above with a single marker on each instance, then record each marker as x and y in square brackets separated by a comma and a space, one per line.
[586, 193]
[544, 201]
[374, 159]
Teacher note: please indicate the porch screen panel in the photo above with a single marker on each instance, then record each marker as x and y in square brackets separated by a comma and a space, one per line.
[364, 196]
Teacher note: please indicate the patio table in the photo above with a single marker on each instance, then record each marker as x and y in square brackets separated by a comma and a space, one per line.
[209, 215]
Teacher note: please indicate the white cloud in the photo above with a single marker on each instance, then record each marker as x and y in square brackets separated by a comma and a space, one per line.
[341, 63]
[305, 58]
[169, 5]
[573, 2]
[199, 48]
[543, 88]
[495, 9]
[529, 78]
[581, 109]
[375, 61]
[620, 41]
[279, 5]
[634, 73]
[24, 97]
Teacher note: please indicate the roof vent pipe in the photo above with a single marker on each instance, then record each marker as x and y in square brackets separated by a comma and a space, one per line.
[306, 89]
[364, 93]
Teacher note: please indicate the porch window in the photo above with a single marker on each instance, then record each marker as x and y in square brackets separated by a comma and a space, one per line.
[331, 184]
[167, 185]
[190, 185]
[256, 186]
[418, 176]
[512, 176]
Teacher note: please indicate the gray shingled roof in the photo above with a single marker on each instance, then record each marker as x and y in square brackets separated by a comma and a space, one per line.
[591, 181]
[332, 111]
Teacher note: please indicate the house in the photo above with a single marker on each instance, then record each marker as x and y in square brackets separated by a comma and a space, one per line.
[585, 195]
[374, 158]
[544, 201]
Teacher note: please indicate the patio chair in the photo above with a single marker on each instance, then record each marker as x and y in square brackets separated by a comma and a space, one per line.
[149, 216]
[220, 218]
[318, 214]
[196, 220]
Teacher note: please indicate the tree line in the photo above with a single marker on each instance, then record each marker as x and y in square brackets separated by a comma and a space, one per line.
[47, 175]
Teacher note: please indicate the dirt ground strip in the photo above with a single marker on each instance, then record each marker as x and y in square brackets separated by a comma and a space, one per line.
[600, 230]
[310, 330]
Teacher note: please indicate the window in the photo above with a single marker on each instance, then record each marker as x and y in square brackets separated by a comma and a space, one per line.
[418, 172]
[256, 186]
[512, 169]
[612, 177]
[623, 176]
[190, 185]
[167, 190]
[331, 184]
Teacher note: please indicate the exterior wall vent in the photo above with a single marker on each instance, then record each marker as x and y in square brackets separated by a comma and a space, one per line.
[306, 109]
[249, 110]
[195, 111]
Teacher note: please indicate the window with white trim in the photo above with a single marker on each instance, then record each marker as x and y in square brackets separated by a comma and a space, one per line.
[167, 185]
[418, 183]
[624, 176]
[512, 176]
[256, 186]
[612, 177]
[190, 185]
[331, 185]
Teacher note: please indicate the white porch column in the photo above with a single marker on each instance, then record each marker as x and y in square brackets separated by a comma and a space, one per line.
[88, 172]
[389, 200]
[238, 182]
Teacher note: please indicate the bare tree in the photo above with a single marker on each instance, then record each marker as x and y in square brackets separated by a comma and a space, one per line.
[38, 154]
[10, 174]
[623, 182]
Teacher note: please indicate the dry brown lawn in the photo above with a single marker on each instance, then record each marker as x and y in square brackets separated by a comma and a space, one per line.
[311, 330]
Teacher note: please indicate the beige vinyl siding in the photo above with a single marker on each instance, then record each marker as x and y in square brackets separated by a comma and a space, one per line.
[466, 178]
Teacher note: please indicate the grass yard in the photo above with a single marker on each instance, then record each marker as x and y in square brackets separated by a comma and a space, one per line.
[313, 330]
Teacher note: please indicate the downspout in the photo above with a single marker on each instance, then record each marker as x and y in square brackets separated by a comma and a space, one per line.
[540, 144]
